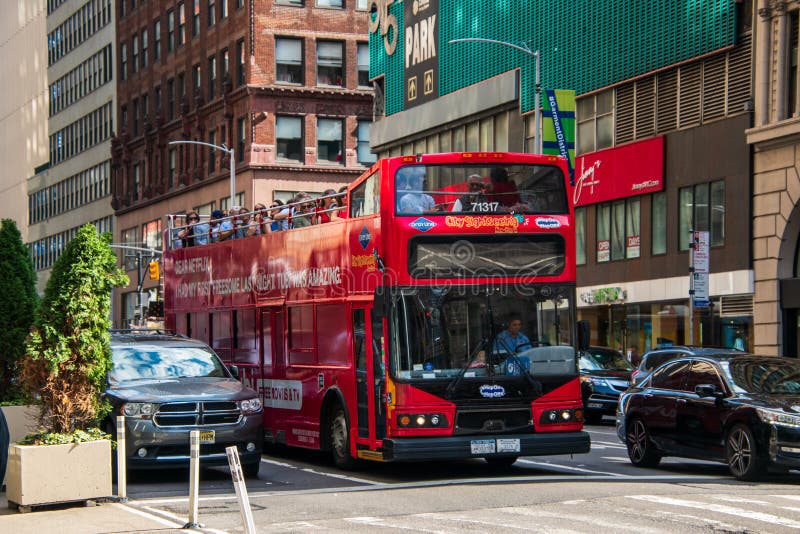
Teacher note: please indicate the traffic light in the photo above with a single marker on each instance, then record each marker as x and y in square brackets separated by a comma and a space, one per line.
[154, 275]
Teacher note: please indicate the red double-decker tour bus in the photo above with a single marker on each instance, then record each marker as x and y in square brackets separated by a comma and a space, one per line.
[433, 319]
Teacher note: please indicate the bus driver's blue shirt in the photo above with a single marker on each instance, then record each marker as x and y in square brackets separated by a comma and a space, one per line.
[505, 341]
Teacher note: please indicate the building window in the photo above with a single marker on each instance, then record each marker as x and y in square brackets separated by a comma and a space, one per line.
[171, 99]
[239, 4]
[212, 12]
[241, 123]
[212, 76]
[151, 234]
[157, 40]
[170, 31]
[298, 3]
[181, 24]
[137, 181]
[130, 237]
[580, 236]
[225, 202]
[365, 157]
[702, 208]
[223, 9]
[240, 62]
[658, 223]
[633, 238]
[363, 64]
[329, 3]
[135, 117]
[212, 152]
[289, 138]
[596, 122]
[135, 54]
[123, 61]
[196, 78]
[329, 141]
[196, 18]
[289, 60]
[144, 48]
[362, 4]
[224, 65]
[329, 63]
[618, 225]
[173, 160]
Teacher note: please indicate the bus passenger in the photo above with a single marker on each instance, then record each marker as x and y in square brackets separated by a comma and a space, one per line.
[243, 223]
[301, 215]
[414, 200]
[221, 229]
[195, 232]
[280, 215]
[327, 208]
[502, 189]
[261, 223]
[474, 195]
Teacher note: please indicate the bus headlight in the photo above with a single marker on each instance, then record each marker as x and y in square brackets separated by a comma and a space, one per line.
[560, 416]
[421, 420]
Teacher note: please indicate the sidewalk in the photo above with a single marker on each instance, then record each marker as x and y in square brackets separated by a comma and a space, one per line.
[76, 518]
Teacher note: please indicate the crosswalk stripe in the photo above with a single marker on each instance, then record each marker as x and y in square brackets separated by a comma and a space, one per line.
[719, 508]
[382, 523]
[595, 521]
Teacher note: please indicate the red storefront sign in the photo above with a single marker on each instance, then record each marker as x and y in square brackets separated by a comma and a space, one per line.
[619, 172]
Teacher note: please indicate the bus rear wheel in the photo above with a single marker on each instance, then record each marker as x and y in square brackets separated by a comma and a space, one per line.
[340, 440]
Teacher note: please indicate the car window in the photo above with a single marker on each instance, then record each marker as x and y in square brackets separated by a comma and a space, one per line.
[767, 375]
[656, 359]
[609, 360]
[670, 376]
[154, 361]
[703, 373]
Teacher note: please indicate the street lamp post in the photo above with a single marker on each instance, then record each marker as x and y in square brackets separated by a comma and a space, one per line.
[524, 48]
[225, 149]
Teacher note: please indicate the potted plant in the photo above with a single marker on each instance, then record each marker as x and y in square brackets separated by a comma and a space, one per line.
[18, 285]
[65, 366]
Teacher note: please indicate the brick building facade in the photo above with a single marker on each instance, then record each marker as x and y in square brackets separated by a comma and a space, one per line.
[285, 83]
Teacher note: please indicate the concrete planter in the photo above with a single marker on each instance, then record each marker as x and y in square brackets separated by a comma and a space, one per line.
[46, 474]
[20, 421]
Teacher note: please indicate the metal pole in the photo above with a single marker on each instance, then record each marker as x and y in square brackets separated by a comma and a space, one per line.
[691, 286]
[537, 131]
[233, 177]
[194, 478]
[241, 489]
[139, 289]
[122, 470]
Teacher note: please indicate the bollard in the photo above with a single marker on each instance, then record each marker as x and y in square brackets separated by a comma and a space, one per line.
[194, 478]
[122, 468]
[241, 489]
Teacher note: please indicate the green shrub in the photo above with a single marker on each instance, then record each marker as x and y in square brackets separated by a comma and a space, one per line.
[68, 350]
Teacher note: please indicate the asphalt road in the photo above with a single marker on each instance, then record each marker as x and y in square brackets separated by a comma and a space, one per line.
[299, 491]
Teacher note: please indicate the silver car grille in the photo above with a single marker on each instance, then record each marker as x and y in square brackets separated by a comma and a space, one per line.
[209, 413]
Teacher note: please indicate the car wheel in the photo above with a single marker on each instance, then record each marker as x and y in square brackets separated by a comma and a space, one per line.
[340, 440]
[501, 462]
[251, 470]
[741, 452]
[641, 450]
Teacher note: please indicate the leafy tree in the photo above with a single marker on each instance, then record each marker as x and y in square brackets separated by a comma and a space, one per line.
[17, 305]
[68, 351]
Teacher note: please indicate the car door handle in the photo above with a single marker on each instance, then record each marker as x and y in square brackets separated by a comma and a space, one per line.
[681, 401]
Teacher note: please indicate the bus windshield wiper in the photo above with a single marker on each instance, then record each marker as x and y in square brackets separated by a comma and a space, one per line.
[453, 385]
[535, 384]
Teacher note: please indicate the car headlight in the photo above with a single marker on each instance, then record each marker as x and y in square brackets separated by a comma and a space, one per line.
[143, 410]
[250, 405]
[601, 382]
[778, 417]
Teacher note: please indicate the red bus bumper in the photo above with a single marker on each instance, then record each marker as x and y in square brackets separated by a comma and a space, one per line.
[461, 447]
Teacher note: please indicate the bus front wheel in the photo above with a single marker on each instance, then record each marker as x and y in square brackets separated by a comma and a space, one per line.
[340, 440]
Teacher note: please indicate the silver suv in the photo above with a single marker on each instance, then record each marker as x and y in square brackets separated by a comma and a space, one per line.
[654, 358]
[167, 385]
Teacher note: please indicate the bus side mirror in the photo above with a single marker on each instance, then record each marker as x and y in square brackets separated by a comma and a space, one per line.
[379, 304]
[584, 335]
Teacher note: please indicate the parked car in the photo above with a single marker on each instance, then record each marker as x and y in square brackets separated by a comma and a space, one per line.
[654, 358]
[605, 375]
[740, 409]
[167, 385]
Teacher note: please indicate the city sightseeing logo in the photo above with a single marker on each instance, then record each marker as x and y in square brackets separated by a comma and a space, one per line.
[547, 222]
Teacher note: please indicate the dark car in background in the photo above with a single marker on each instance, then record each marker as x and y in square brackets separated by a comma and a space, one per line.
[740, 409]
[605, 375]
[168, 385]
[654, 358]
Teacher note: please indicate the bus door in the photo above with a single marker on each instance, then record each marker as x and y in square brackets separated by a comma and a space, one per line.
[272, 360]
[370, 382]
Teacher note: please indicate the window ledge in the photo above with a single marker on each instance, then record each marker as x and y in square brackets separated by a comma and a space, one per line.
[775, 132]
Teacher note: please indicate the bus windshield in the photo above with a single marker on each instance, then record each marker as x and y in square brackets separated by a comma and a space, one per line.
[469, 189]
[437, 332]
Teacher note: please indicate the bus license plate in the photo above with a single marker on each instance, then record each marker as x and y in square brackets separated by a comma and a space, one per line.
[482, 446]
[207, 437]
[508, 445]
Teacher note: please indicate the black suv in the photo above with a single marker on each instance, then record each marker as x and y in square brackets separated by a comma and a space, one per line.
[654, 358]
[167, 385]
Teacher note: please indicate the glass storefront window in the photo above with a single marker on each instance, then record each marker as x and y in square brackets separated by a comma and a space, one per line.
[580, 236]
[659, 223]
[632, 236]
